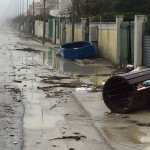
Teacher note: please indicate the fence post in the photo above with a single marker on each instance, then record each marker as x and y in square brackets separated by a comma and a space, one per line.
[54, 31]
[83, 22]
[138, 28]
[119, 20]
[63, 31]
[93, 35]
[68, 21]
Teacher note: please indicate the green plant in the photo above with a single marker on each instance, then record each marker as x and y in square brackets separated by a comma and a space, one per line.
[108, 16]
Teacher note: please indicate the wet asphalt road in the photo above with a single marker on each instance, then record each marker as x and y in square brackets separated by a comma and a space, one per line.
[41, 109]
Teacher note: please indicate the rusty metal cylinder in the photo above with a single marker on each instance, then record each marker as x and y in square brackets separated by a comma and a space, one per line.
[121, 95]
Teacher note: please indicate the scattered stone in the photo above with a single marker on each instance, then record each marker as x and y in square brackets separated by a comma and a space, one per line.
[53, 145]
[38, 142]
[53, 107]
[76, 133]
[16, 90]
[125, 117]
[11, 135]
[18, 100]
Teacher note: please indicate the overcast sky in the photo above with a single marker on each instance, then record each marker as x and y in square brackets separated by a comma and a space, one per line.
[8, 8]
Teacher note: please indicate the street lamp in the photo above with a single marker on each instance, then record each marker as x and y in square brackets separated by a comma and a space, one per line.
[73, 19]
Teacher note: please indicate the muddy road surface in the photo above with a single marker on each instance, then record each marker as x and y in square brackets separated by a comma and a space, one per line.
[47, 103]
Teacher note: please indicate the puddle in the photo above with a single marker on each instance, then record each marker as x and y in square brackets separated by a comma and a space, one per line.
[97, 73]
[38, 116]
[38, 112]
[132, 137]
[43, 122]
[138, 136]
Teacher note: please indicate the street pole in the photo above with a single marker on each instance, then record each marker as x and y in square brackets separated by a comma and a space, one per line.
[27, 16]
[33, 19]
[16, 9]
[20, 7]
[44, 25]
[57, 4]
[73, 19]
[23, 7]
[27, 6]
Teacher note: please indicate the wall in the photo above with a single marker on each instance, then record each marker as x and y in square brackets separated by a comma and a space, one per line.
[104, 32]
[47, 30]
[36, 27]
[40, 29]
[78, 32]
[107, 41]
[68, 32]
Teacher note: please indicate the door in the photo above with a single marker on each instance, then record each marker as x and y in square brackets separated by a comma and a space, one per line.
[146, 45]
[50, 28]
[127, 43]
[58, 27]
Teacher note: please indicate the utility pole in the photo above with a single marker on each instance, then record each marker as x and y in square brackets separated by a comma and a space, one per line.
[20, 7]
[33, 19]
[27, 5]
[16, 9]
[27, 16]
[23, 7]
[57, 4]
[73, 19]
[44, 25]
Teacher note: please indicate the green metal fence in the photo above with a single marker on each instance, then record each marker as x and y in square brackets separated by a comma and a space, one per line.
[58, 27]
[50, 27]
[132, 40]
[127, 43]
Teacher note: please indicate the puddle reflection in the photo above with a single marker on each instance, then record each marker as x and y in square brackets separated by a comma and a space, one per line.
[72, 68]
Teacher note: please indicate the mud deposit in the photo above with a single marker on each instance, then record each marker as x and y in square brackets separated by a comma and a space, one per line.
[47, 103]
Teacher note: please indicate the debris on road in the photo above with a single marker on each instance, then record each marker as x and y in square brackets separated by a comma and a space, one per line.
[77, 138]
[83, 89]
[54, 77]
[17, 81]
[121, 95]
[28, 50]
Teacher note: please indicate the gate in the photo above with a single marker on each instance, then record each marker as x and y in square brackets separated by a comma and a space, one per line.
[127, 43]
[58, 27]
[51, 28]
[146, 46]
